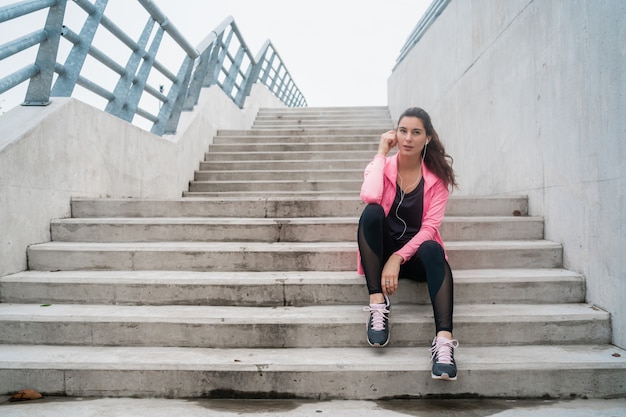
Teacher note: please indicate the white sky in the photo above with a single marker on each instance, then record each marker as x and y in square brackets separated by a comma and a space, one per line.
[339, 52]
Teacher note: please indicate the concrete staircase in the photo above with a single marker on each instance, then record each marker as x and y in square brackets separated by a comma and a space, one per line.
[246, 287]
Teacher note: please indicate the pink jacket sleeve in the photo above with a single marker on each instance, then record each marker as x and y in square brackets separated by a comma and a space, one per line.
[373, 180]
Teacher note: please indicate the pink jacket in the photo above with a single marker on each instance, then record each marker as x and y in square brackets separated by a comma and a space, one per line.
[379, 187]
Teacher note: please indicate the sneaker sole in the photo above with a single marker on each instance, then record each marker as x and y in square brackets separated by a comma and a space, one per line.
[378, 345]
[442, 377]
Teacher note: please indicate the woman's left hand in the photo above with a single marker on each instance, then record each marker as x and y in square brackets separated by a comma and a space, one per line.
[391, 271]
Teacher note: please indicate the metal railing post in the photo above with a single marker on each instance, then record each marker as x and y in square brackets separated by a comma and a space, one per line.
[266, 73]
[38, 92]
[252, 75]
[199, 75]
[64, 85]
[128, 112]
[125, 82]
[170, 112]
[231, 76]
[215, 63]
[221, 56]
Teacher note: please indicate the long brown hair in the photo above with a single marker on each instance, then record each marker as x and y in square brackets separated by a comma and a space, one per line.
[436, 158]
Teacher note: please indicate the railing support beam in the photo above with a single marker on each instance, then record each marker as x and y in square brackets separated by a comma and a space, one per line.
[38, 93]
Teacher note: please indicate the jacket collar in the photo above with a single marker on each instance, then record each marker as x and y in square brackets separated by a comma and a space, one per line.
[391, 172]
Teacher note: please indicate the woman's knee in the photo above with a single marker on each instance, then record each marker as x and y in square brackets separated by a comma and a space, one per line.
[431, 251]
[372, 213]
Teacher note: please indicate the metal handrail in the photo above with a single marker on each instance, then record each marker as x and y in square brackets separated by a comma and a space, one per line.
[222, 59]
[431, 14]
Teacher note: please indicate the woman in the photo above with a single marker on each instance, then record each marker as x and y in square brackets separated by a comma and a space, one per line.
[406, 196]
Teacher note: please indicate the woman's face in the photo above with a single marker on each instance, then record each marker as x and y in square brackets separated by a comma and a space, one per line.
[411, 136]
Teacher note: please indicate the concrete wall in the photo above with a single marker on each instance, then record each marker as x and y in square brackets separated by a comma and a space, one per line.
[529, 98]
[69, 149]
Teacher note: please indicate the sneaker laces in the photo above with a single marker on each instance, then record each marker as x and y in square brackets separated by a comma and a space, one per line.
[378, 314]
[443, 349]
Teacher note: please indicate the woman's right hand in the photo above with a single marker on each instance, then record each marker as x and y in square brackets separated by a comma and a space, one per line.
[387, 142]
[390, 274]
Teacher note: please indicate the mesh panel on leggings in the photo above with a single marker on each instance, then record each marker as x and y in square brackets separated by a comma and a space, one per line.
[372, 247]
[443, 302]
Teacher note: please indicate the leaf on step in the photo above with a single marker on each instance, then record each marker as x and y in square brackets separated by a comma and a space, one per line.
[517, 213]
[617, 355]
[25, 395]
[45, 305]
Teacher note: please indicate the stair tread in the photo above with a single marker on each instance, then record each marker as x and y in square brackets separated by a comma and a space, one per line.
[285, 277]
[322, 315]
[273, 141]
[297, 288]
[365, 359]
[301, 131]
[352, 197]
[282, 181]
[279, 171]
[280, 246]
[274, 220]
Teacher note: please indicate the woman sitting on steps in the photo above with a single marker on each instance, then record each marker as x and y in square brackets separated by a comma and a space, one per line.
[398, 234]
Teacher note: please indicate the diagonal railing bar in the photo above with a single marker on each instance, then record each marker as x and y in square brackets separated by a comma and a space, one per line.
[138, 86]
[64, 86]
[38, 93]
[128, 73]
[199, 75]
[171, 110]
[221, 59]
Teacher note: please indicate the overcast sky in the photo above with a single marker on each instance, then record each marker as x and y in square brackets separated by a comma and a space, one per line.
[339, 52]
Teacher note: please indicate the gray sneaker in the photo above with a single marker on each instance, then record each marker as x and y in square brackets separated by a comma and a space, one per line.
[442, 357]
[378, 323]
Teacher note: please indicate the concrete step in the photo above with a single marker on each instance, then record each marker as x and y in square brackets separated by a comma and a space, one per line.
[283, 327]
[271, 194]
[353, 186]
[324, 112]
[280, 256]
[558, 371]
[323, 116]
[381, 124]
[363, 155]
[296, 121]
[277, 175]
[300, 131]
[370, 146]
[60, 406]
[298, 229]
[378, 126]
[343, 206]
[286, 165]
[361, 119]
[323, 109]
[226, 138]
[291, 288]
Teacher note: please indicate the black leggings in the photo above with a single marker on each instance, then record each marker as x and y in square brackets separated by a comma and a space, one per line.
[429, 264]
